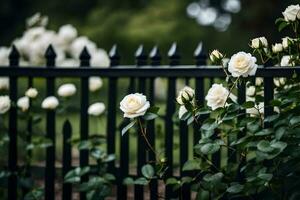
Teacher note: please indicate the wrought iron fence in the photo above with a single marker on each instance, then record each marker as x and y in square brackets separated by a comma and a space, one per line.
[142, 78]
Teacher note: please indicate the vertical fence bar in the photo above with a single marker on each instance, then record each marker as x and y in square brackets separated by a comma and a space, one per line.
[141, 59]
[67, 159]
[155, 61]
[12, 154]
[84, 121]
[169, 129]
[268, 95]
[50, 127]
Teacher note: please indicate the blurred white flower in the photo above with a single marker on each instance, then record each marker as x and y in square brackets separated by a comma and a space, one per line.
[286, 41]
[50, 103]
[100, 59]
[259, 42]
[79, 43]
[66, 90]
[37, 20]
[31, 93]
[23, 103]
[67, 33]
[4, 53]
[4, 104]
[285, 61]
[95, 83]
[68, 63]
[96, 109]
[259, 81]
[250, 91]
[242, 64]
[279, 81]
[4, 83]
[276, 48]
[182, 111]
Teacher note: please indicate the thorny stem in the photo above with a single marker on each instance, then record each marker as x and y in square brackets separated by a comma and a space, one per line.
[143, 131]
[230, 91]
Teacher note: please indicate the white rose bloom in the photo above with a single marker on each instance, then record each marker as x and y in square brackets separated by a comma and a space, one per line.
[286, 41]
[96, 109]
[95, 83]
[292, 13]
[255, 43]
[279, 81]
[285, 61]
[182, 111]
[250, 91]
[79, 43]
[242, 64]
[4, 83]
[23, 44]
[31, 93]
[216, 96]
[215, 55]
[50, 103]
[259, 81]
[254, 111]
[66, 90]
[134, 105]
[100, 59]
[4, 104]
[4, 54]
[34, 33]
[23, 103]
[185, 94]
[276, 48]
[67, 33]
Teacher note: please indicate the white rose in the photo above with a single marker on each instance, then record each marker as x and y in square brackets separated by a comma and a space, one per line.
[292, 13]
[4, 83]
[285, 61]
[215, 55]
[277, 48]
[4, 54]
[286, 41]
[4, 104]
[66, 90]
[23, 103]
[186, 94]
[182, 111]
[134, 105]
[259, 81]
[256, 42]
[254, 111]
[250, 91]
[31, 93]
[79, 43]
[100, 58]
[279, 81]
[242, 64]
[96, 109]
[216, 96]
[67, 33]
[50, 103]
[95, 83]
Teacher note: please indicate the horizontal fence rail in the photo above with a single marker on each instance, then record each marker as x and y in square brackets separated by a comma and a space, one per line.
[141, 78]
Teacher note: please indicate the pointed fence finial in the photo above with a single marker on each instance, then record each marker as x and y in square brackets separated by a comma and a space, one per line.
[174, 55]
[200, 55]
[50, 56]
[14, 56]
[155, 56]
[84, 57]
[114, 56]
[140, 56]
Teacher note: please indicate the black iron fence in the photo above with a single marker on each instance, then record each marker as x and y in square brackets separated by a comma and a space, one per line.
[142, 78]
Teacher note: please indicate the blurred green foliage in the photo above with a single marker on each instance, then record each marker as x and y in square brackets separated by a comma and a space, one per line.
[132, 22]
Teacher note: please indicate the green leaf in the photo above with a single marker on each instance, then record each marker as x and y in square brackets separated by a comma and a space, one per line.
[264, 132]
[271, 118]
[141, 181]
[148, 171]
[264, 146]
[186, 179]
[295, 120]
[128, 181]
[191, 165]
[280, 132]
[210, 148]
[35, 194]
[171, 181]
[150, 116]
[126, 128]
[282, 26]
[264, 176]
[248, 104]
[235, 188]
[210, 124]
[153, 109]
[213, 178]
